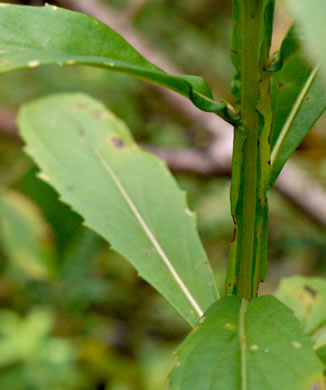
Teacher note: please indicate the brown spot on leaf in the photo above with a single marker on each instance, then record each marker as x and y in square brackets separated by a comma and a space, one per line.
[81, 132]
[118, 142]
[281, 85]
[311, 291]
[307, 99]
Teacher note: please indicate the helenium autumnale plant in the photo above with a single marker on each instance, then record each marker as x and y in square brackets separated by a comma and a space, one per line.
[240, 341]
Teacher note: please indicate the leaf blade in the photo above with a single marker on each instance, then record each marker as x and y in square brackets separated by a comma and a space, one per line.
[35, 36]
[275, 352]
[298, 100]
[133, 190]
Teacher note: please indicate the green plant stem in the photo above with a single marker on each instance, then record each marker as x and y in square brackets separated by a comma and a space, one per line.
[250, 30]
[251, 13]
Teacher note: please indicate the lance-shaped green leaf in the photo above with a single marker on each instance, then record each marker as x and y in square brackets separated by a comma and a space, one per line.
[248, 346]
[125, 194]
[298, 99]
[307, 298]
[35, 36]
[25, 236]
[310, 15]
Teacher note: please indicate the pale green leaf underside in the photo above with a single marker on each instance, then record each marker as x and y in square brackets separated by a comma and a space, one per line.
[298, 98]
[24, 235]
[273, 353]
[307, 298]
[35, 36]
[125, 194]
[311, 17]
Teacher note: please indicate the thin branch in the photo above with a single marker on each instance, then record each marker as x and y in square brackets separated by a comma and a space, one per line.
[304, 191]
[194, 161]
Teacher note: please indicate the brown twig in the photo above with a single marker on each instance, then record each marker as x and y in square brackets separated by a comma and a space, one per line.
[304, 191]
[194, 161]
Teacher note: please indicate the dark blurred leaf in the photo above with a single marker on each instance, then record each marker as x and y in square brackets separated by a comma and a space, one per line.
[78, 287]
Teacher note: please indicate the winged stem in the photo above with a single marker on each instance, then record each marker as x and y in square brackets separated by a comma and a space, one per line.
[250, 171]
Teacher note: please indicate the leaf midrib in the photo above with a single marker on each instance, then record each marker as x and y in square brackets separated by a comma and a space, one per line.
[148, 233]
[243, 344]
[292, 115]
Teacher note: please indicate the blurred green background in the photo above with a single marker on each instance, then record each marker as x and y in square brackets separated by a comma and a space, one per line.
[74, 315]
